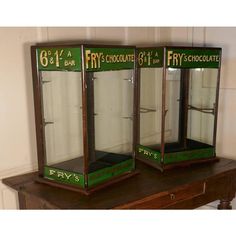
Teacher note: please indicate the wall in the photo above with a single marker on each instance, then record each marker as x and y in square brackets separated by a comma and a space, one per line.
[225, 38]
[17, 139]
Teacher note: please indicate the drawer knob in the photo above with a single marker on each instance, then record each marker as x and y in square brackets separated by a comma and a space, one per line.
[172, 196]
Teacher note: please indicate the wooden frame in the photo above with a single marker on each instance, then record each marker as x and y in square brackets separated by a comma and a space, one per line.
[183, 114]
[87, 115]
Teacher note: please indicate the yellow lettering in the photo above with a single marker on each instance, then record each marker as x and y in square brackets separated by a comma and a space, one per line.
[175, 59]
[87, 58]
[93, 60]
[169, 57]
[68, 176]
[60, 174]
[77, 178]
[57, 58]
[140, 150]
[43, 58]
[99, 55]
[180, 59]
[69, 54]
[52, 172]
[69, 63]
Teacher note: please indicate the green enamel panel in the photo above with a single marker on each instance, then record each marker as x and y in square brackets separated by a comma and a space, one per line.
[149, 153]
[193, 58]
[105, 59]
[59, 59]
[150, 57]
[63, 176]
[105, 174]
[174, 157]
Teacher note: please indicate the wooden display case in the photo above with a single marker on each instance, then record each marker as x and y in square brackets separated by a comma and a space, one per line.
[84, 112]
[178, 98]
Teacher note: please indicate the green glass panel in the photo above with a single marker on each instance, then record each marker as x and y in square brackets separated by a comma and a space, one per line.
[102, 175]
[104, 59]
[63, 176]
[149, 153]
[150, 57]
[59, 59]
[193, 58]
[174, 157]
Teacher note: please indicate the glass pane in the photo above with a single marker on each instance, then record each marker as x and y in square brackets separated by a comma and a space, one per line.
[150, 106]
[113, 118]
[62, 107]
[172, 117]
[202, 96]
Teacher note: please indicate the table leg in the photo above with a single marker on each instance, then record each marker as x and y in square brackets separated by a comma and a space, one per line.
[22, 202]
[225, 204]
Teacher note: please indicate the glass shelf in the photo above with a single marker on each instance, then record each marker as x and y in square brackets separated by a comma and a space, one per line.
[147, 110]
[203, 110]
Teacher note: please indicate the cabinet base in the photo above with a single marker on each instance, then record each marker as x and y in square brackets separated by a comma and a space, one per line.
[177, 164]
[87, 191]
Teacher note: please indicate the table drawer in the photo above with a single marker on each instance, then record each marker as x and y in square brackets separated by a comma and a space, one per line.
[167, 198]
[32, 202]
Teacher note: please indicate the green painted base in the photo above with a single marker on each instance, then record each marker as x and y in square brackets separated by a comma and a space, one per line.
[189, 155]
[87, 191]
[94, 178]
[153, 157]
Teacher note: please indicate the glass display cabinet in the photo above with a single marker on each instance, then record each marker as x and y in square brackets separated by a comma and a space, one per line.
[179, 89]
[84, 111]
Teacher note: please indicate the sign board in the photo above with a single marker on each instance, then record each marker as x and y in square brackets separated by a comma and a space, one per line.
[150, 57]
[149, 153]
[104, 59]
[59, 59]
[63, 176]
[193, 58]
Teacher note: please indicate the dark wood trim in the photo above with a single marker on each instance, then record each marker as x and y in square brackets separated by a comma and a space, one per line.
[106, 44]
[90, 116]
[187, 47]
[163, 112]
[225, 204]
[91, 44]
[158, 166]
[136, 106]
[217, 103]
[183, 107]
[85, 118]
[38, 112]
[176, 47]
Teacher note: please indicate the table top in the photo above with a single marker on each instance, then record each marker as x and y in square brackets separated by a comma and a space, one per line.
[148, 182]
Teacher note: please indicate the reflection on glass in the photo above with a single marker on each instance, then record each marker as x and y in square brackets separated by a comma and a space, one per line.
[62, 107]
[190, 104]
[172, 107]
[202, 97]
[150, 106]
[113, 118]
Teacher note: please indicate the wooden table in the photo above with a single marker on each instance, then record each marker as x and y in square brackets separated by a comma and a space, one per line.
[182, 188]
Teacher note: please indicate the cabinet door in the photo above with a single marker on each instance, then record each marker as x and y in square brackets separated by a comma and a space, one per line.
[62, 107]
